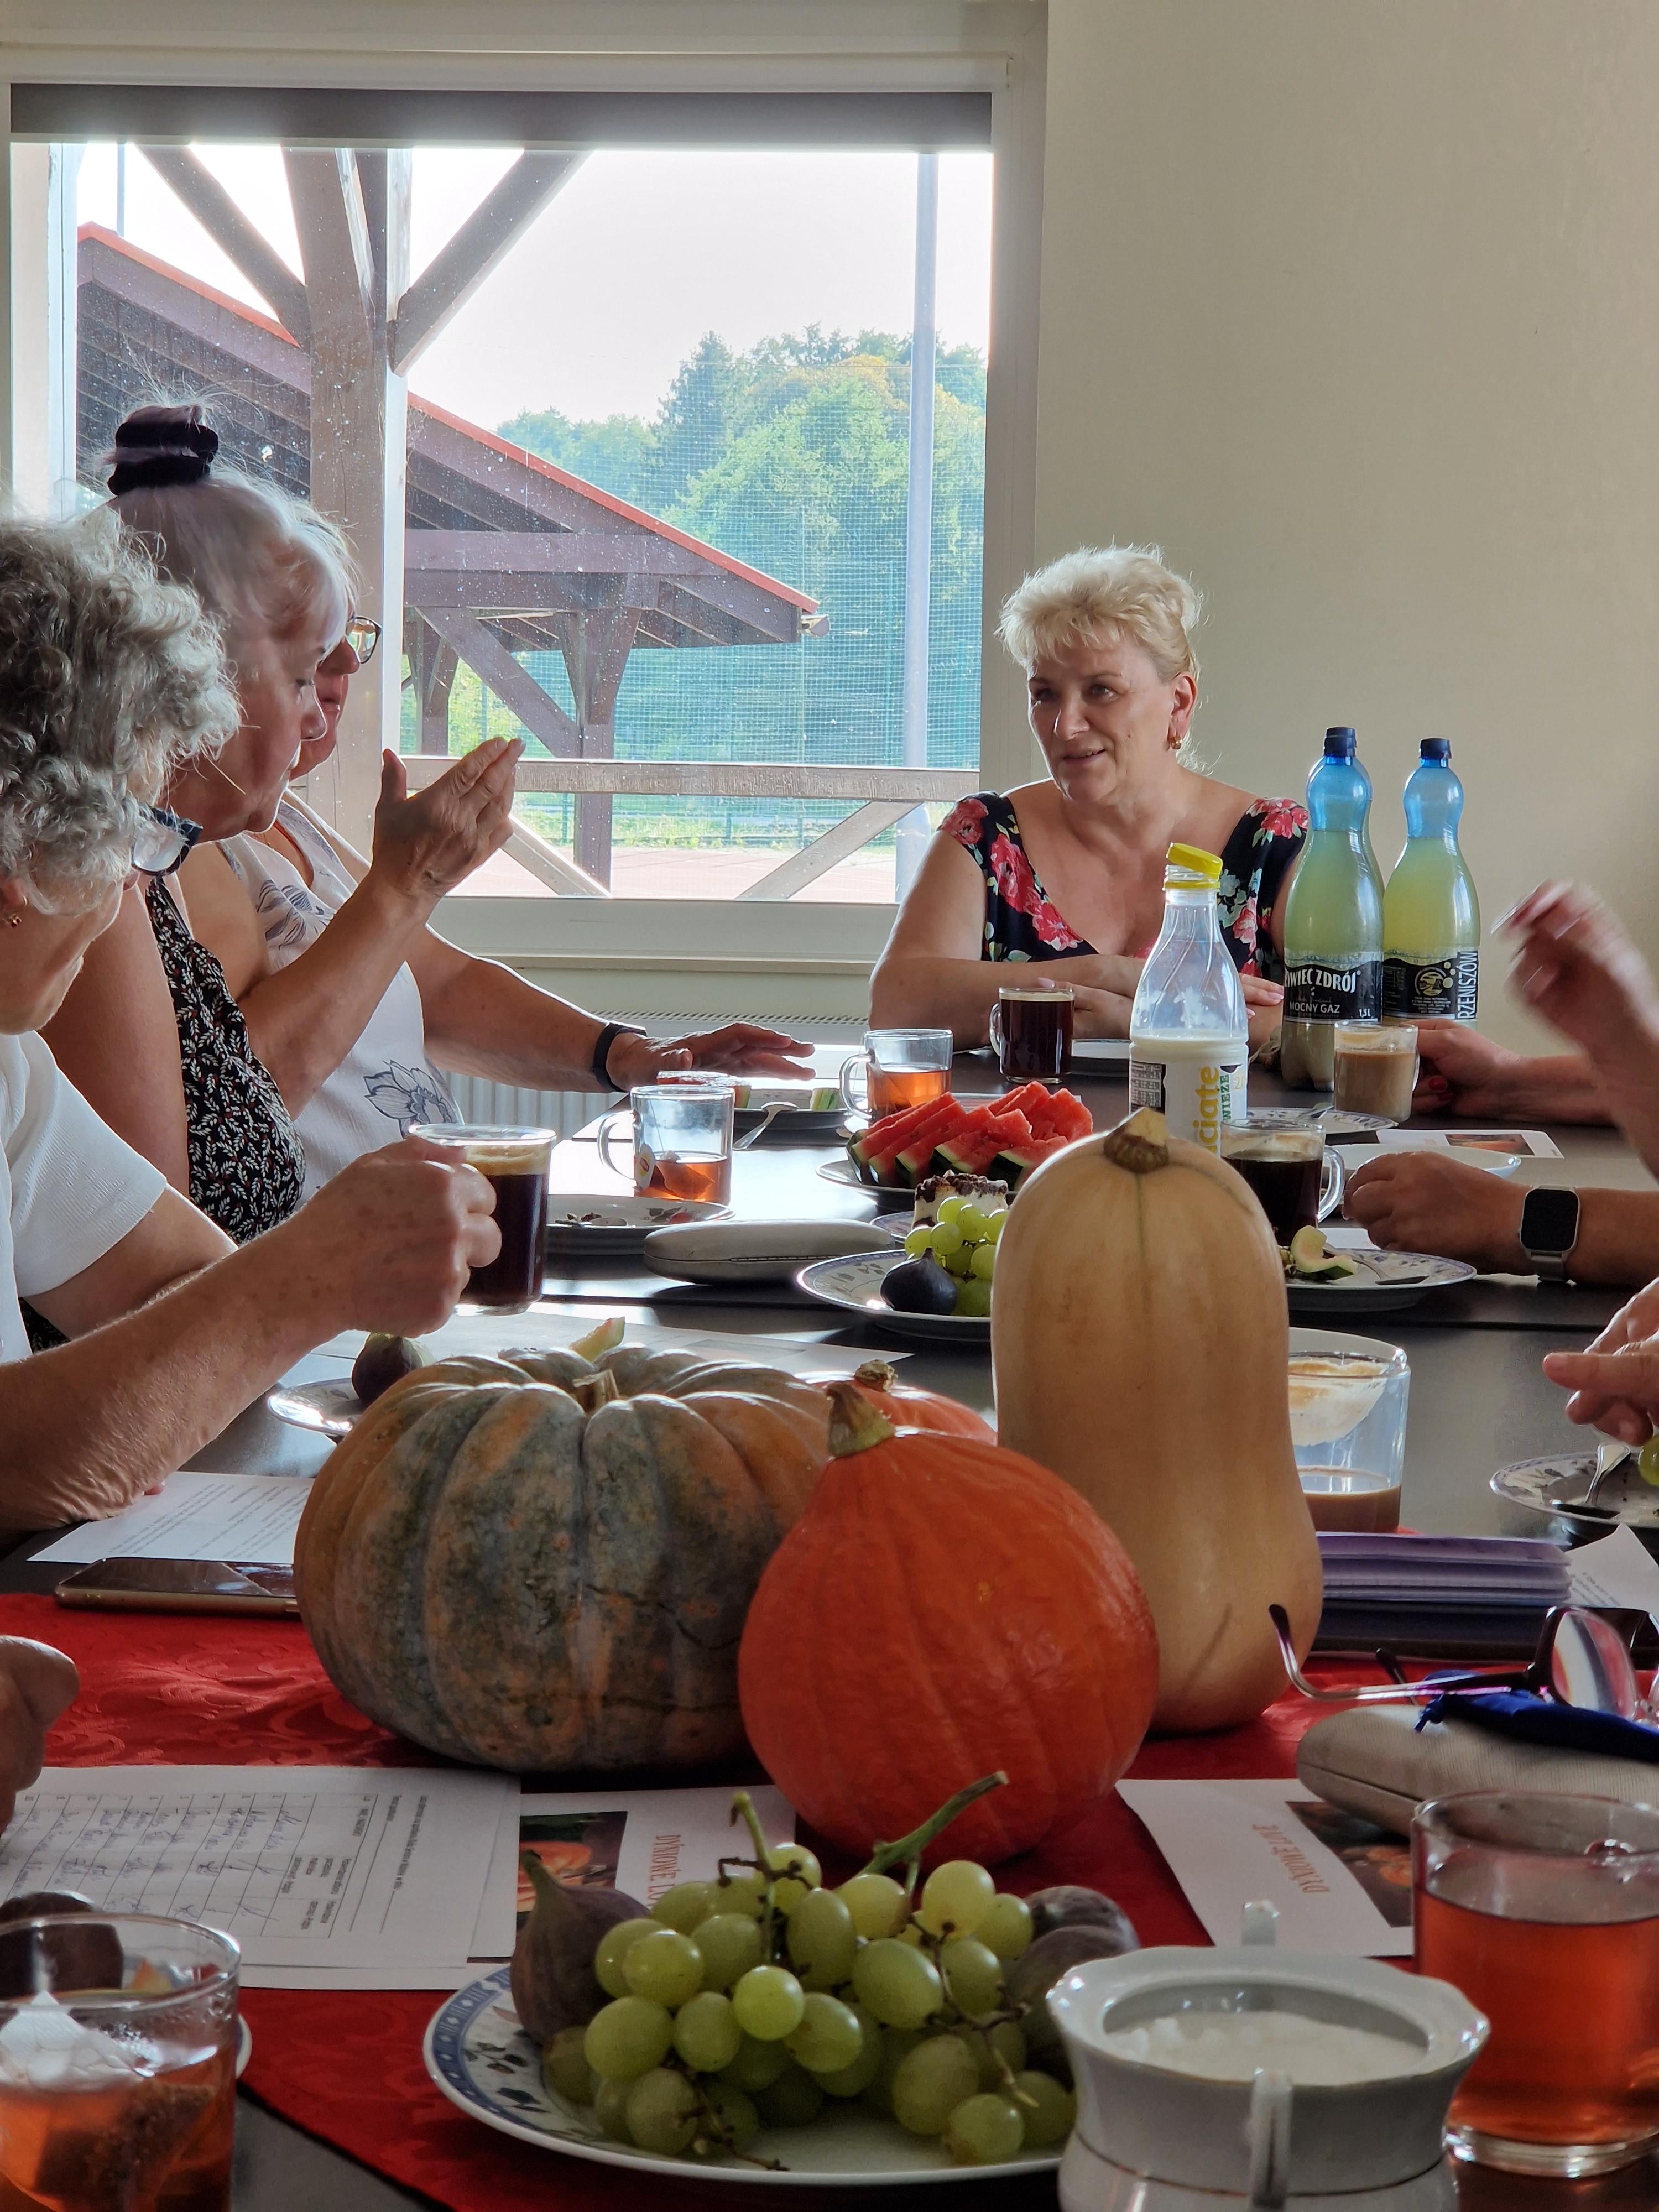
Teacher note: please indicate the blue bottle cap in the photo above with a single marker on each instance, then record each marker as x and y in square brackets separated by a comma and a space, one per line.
[1339, 745]
[1436, 748]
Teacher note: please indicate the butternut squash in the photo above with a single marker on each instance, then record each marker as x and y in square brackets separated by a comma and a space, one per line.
[1139, 1339]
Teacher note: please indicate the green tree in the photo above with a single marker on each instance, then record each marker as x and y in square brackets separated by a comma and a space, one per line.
[612, 453]
[694, 423]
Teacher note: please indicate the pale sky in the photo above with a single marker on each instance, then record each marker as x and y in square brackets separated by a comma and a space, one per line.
[628, 265]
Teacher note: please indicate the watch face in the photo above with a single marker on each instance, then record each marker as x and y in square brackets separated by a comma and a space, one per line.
[1549, 1221]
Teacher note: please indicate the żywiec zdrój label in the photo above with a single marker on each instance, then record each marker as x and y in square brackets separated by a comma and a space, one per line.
[1334, 990]
[1194, 1095]
[1419, 990]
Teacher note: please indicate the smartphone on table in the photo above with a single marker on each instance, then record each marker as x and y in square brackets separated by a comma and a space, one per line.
[181, 1586]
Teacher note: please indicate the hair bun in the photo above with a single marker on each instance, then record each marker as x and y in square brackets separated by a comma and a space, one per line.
[161, 446]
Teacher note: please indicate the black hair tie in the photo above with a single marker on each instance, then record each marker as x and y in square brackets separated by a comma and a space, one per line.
[159, 446]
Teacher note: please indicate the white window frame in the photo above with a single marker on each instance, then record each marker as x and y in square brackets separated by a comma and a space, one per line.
[625, 46]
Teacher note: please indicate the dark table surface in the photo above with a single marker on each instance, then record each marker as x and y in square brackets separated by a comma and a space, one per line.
[1478, 1399]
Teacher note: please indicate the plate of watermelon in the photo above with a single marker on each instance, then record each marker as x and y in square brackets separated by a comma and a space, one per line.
[1005, 1137]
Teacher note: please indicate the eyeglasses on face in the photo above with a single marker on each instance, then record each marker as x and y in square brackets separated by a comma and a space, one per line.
[161, 841]
[1583, 1659]
[362, 635]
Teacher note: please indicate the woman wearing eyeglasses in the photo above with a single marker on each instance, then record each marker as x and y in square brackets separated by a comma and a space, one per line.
[150, 1032]
[109, 678]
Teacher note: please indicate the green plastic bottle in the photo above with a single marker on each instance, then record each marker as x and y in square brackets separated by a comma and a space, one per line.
[1332, 919]
[1431, 915]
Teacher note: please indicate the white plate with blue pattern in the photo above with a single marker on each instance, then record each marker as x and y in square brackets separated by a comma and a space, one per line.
[855, 1285]
[484, 2063]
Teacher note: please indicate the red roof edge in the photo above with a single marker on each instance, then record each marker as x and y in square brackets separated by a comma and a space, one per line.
[480, 436]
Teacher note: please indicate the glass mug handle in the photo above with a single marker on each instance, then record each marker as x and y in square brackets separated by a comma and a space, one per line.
[1268, 2133]
[995, 1027]
[855, 1105]
[607, 1129]
[1334, 1183]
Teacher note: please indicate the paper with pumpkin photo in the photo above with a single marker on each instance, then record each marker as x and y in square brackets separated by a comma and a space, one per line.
[641, 1841]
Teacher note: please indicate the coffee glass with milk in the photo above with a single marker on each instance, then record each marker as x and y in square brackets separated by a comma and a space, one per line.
[1374, 1069]
[1348, 1402]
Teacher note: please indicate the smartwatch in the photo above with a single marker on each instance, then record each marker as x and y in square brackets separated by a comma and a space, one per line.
[1549, 1229]
[602, 1044]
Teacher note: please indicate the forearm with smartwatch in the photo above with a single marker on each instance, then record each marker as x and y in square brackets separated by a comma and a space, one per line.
[1590, 1235]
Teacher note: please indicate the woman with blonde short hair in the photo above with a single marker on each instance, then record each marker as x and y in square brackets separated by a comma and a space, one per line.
[1069, 872]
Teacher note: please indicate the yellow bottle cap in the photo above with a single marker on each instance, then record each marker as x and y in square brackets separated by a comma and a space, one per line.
[1193, 861]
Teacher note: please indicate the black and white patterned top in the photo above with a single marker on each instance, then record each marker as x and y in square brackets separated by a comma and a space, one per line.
[246, 1164]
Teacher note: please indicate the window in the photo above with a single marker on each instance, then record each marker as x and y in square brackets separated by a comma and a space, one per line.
[668, 512]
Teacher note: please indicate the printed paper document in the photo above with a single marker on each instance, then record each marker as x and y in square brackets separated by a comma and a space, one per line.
[250, 1517]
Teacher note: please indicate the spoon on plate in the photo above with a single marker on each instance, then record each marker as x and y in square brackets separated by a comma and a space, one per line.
[768, 1115]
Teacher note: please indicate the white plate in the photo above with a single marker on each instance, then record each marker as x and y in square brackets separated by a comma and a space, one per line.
[855, 1285]
[484, 2063]
[897, 1225]
[581, 1222]
[327, 1409]
[749, 1251]
[1386, 1282]
[843, 1171]
[1324, 1118]
[1541, 1484]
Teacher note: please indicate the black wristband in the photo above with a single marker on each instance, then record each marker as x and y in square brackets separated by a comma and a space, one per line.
[603, 1043]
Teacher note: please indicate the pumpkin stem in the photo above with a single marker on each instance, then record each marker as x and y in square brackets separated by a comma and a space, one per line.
[593, 1391]
[1140, 1143]
[877, 1375]
[854, 1423]
[605, 1337]
[909, 1848]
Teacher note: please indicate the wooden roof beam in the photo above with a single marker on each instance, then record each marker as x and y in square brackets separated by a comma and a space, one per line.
[191, 180]
[516, 688]
[332, 223]
[456, 271]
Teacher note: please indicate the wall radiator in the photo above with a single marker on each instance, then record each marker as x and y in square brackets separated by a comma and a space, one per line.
[499, 1104]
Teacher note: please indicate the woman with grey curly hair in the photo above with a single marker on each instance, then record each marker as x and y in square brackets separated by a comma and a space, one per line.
[111, 683]
[1068, 872]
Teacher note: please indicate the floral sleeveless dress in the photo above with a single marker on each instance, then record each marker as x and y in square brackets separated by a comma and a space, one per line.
[1022, 922]
[246, 1164]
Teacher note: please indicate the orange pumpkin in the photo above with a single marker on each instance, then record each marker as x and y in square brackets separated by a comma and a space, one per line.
[908, 1407]
[943, 1608]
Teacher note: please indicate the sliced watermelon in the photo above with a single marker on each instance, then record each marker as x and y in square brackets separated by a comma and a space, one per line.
[983, 1138]
[916, 1156]
[1019, 1160]
[1060, 1114]
[1030, 1099]
[887, 1134]
[882, 1165]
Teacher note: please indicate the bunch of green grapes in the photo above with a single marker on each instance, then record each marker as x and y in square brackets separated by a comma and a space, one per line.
[763, 1998]
[964, 1240]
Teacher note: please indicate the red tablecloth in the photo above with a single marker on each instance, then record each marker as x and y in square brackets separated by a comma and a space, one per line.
[177, 1690]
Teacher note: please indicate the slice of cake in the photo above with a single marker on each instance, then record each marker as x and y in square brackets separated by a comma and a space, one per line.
[981, 1189]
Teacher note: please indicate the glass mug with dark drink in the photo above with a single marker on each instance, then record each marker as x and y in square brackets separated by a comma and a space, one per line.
[1544, 1910]
[1296, 1180]
[1031, 1027]
[680, 1138]
[118, 2085]
[901, 1068]
[514, 1163]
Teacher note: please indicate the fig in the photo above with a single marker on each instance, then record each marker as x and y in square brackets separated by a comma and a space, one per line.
[920, 1286]
[1042, 1963]
[383, 1361]
[553, 1982]
[60, 1958]
[1069, 1906]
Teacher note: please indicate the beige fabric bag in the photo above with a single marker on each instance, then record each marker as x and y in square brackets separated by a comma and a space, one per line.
[1372, 1760]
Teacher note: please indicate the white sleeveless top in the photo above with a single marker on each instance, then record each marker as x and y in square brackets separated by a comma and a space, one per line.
[385, 1082]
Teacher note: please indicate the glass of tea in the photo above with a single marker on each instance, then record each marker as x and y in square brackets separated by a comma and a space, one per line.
[1374, 1069]
[682, 1141]
[1031, 1031]
[117, 2074]
[514, 1163]
[899, 1068]
[1544, 1910]
[1348, 1401]
[1296, 1180]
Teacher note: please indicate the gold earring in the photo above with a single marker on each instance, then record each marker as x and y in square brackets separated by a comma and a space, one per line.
[13, 921]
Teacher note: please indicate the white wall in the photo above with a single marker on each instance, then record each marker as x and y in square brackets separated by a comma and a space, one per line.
[1354, 305]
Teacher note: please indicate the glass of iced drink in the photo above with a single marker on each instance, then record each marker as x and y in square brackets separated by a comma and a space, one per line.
[1374, 1069]
[1544, 1910]
[118, 2067]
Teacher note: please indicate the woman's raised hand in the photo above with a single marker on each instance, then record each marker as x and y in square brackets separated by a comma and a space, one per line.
[36, 1683]
[428, 842]
[1575, 966]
